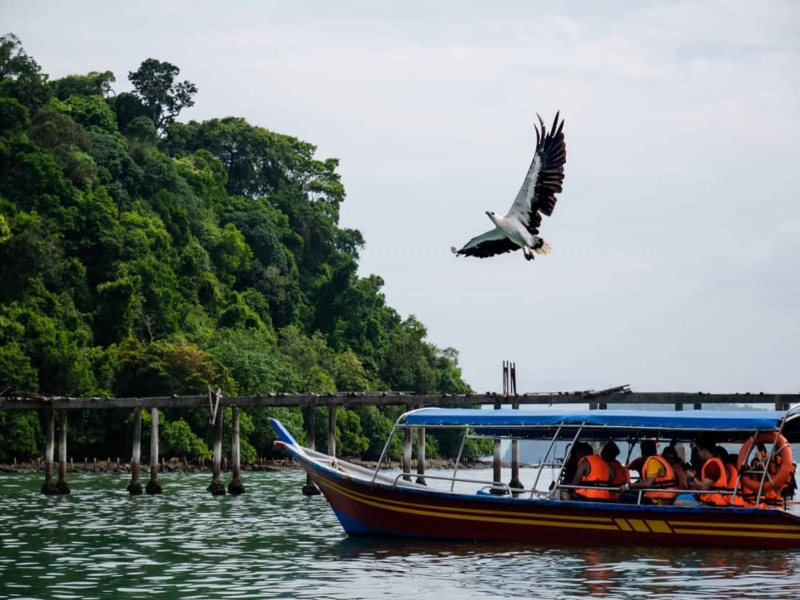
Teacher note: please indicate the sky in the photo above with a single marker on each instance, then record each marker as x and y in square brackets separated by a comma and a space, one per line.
[676, 240]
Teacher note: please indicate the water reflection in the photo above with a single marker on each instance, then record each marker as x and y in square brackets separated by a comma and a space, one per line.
[272, 542]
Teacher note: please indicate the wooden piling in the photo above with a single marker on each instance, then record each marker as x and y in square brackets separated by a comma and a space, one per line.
[49, 487]
[332, 431]
[217, 488]
[497, 461]
[407, 449]
[421, 456]
[235, 486]
[153, 486]
[309, 489]
[62, 486]
[135, 486]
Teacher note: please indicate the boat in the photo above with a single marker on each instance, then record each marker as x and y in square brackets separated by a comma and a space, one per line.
[370, 503]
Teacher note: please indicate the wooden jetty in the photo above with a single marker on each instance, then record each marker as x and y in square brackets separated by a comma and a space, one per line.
[215, 401]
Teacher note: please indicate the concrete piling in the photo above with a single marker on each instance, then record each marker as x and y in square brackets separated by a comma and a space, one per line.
[309, 489]
[153, 486]
[421, 456]
[135, 486]
[217, 488]
[235, 486]
[62, 486]
[49, 487]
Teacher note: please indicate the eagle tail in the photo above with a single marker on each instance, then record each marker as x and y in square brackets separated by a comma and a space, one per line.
[543, 248]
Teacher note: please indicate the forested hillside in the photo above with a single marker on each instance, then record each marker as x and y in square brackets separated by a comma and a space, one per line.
[142, 255]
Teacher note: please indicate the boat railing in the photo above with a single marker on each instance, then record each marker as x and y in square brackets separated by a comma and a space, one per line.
[642, 491]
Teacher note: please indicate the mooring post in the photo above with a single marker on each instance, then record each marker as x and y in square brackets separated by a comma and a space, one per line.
[62, 486]
[332, 431]
[679, 406]
[153, 486]
[235, 486]
[135, 486]
[698, 406]
[421, 456]
[497, 461]
[217, 488]
[49, 487]
[407, 449]
[309, 489]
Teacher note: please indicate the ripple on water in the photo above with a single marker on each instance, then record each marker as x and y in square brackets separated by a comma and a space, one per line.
[274, 543]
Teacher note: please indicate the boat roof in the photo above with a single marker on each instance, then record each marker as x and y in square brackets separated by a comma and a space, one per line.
[605, 423]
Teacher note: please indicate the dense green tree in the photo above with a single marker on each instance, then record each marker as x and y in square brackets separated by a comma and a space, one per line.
[143, 256]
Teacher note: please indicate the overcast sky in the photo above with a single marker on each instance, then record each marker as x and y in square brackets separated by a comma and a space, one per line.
[676, 241]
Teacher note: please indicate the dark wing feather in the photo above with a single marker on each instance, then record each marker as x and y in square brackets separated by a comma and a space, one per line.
[490, 248]
[544, 179]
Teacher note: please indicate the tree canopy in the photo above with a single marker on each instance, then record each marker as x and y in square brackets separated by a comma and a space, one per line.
[141, 255]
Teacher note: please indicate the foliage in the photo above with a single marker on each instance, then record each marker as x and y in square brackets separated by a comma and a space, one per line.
[143, 256]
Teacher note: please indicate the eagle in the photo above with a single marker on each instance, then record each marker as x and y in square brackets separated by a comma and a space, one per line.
[537, 196]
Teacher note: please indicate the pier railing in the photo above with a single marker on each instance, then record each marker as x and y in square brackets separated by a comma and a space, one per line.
[215, 401]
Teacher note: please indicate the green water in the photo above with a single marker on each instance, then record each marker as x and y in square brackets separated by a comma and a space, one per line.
[273, 543]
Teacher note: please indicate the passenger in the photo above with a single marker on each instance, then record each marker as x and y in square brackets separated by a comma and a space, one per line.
[593, 470]
[732, 474]
[670, 454]
[619, 474]
[713, 475]
[656, 473]
[579, 450]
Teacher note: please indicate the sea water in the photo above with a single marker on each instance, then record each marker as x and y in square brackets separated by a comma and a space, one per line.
[272, 542]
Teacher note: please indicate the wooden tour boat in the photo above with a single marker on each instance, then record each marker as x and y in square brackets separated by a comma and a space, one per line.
[368, 503]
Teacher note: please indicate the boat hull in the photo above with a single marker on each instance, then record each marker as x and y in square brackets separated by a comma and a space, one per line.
[373, 509]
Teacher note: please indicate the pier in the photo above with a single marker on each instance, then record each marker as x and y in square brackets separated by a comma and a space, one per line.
[215, 402]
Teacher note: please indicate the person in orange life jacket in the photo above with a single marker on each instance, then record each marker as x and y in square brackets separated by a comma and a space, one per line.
[713, 475]
[592, 470]
[732, 474]
[670, 454]
[656, 473]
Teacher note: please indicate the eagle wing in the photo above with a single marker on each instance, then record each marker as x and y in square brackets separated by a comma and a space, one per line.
[487, 244]
[544, 179]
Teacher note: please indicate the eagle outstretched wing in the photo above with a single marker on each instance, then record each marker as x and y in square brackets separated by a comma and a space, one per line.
[544, 179]
[487, 244]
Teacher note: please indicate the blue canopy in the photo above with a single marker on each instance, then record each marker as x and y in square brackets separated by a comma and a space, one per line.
[603, 423]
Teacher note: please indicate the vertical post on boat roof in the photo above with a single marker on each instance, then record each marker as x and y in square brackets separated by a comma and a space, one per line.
[332, 431]
[407, 448]
[309, 489]
[235, 487]
[135, 487]
[49, 487]
[62, 486]
[153, 486]
[421, 456]
[217, 488]
[515, 481]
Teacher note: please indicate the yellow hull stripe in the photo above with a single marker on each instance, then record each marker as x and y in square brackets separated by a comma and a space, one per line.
[429, 513]
[732, 525]
[416, 505]
[623, 524]
[638, 525]
[607, 524]
[788, 536]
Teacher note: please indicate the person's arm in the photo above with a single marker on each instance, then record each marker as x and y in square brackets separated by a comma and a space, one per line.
[647, 480]
[583, 470]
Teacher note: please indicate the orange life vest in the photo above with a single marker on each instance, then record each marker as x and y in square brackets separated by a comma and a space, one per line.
[599, 474]
[621, 475]
[733, 477]
[666, 481]
[720, 484]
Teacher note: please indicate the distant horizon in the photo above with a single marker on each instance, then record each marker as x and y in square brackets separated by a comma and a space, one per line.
[675, 241]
